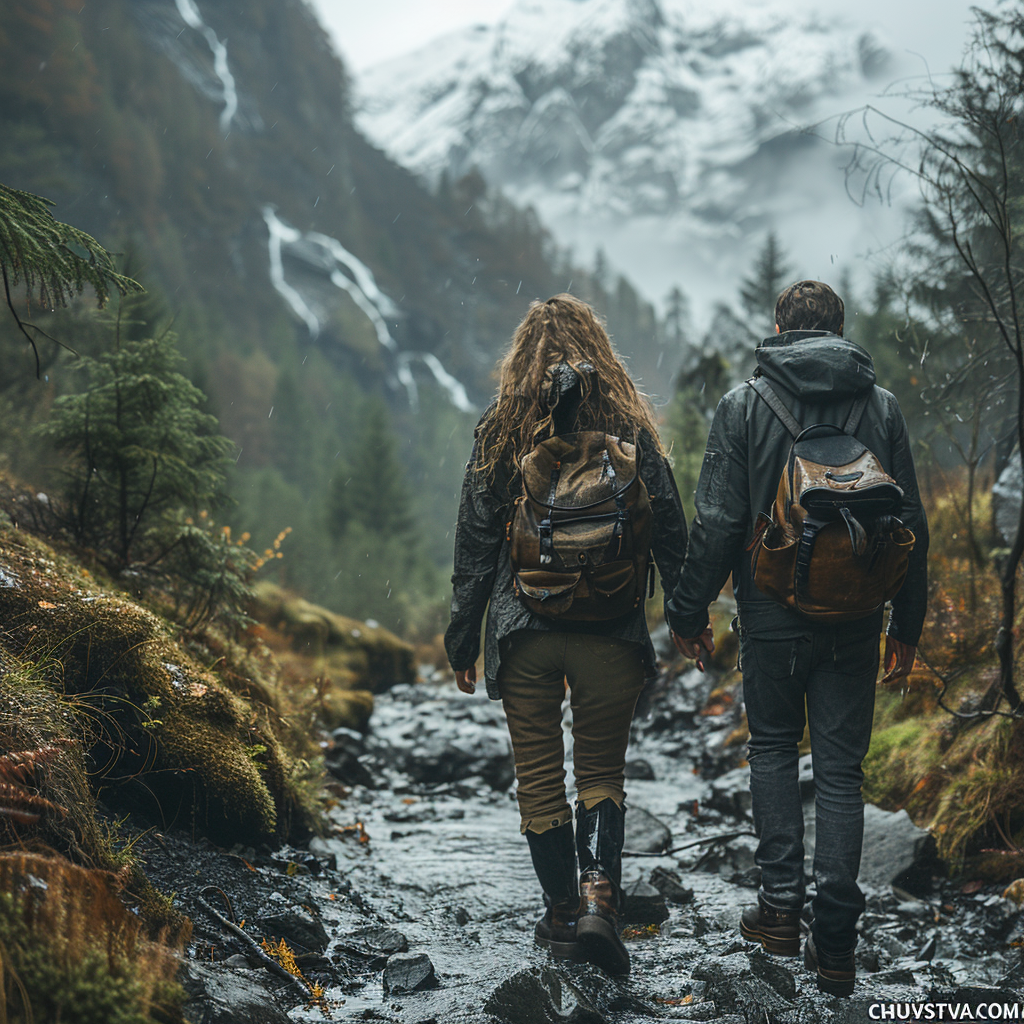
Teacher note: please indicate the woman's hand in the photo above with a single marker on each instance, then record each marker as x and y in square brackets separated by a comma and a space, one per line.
[698, 647]
[466, 680]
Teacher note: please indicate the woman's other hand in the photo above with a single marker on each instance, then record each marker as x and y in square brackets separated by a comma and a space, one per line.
[698, 647]
[466, 680]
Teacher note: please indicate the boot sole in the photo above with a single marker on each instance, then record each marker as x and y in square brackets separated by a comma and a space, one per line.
[831, 986]
[601, 946]
[771, 943]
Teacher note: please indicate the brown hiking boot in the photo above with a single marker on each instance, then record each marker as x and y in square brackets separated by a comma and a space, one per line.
[776, 929]
[599, 836]
[597, 927]
[556, 930]
[836, 974]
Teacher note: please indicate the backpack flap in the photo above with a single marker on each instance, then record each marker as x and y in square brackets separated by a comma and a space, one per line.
[580, 533]
[834, 550]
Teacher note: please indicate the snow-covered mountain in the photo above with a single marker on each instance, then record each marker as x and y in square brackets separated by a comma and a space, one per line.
[669, 132]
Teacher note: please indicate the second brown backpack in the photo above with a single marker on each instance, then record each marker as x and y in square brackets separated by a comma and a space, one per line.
[833, 549]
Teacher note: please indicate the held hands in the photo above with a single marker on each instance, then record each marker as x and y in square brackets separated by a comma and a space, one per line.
[466, 680]
[899, 662]
[698, 647]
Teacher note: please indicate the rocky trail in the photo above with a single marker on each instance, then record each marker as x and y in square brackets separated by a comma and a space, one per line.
[419, 904]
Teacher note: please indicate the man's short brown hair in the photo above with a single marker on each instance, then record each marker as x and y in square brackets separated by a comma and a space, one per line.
[809, 306]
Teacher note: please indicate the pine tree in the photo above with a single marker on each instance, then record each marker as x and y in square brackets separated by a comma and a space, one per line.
[759, 291]
[371, 492]
[677, 317]
[140, 452]
[54, 261]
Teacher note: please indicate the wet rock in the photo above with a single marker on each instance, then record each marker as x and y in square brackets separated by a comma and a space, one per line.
[639, 769]
[730, 793]
[439, 742]
[538, 996]
[670, 885]
[897, 975]
[896, 852]
[346, 766]
[374, 942]
[408, 972]
[644, 904]
[751, 984]
[223, 995]
[297, 927]
[645, 833]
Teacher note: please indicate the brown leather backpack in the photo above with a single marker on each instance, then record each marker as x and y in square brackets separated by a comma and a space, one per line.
[580, 532]
[833, 548]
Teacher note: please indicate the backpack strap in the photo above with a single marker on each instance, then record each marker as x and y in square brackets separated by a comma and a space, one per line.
[772, 400]
[852, 421]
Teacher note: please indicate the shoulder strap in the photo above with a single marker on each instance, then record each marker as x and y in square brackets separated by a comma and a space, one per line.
[772, 400]
[852, 421]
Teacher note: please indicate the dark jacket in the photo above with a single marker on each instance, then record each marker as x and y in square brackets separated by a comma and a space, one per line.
[818, 376]
[483, 574]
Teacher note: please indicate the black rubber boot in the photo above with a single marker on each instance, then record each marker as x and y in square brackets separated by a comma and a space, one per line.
[599, 837]
[836, 974]
[554, 860]
[776, 929]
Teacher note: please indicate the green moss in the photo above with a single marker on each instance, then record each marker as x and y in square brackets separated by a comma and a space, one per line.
[896, 760]
[155, 713]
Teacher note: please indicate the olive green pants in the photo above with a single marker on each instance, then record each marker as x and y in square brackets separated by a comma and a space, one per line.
[605, 677]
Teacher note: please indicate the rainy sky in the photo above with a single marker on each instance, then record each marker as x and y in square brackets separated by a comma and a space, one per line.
[367, 33]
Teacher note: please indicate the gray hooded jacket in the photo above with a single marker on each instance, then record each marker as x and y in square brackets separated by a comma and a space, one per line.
[483, 573]
[818, 376]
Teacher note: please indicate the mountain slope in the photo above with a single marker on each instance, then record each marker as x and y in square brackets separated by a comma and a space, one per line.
[666, 129]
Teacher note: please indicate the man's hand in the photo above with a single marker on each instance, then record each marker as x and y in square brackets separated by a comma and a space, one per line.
[466, 681]
[697, 647]
[899, 662]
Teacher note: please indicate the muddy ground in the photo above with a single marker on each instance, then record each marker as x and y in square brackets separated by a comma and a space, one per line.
[419, 904]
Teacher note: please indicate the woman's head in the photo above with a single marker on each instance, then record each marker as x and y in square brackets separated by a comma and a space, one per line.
[562, 330]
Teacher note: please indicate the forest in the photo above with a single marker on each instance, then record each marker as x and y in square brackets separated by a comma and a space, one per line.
[242, 376]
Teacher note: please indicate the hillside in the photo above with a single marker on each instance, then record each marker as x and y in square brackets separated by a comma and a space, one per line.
[311, 280]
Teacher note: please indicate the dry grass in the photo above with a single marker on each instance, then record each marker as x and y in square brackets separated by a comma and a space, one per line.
[72, 952]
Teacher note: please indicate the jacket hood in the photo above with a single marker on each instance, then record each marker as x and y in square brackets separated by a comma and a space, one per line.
[815, 365]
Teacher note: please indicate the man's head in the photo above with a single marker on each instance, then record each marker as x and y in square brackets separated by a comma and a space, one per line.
[809, 306]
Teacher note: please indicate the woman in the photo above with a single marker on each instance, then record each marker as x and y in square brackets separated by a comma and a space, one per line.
[561, 376]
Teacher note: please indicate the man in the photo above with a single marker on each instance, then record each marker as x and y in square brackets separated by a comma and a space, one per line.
[787, 659]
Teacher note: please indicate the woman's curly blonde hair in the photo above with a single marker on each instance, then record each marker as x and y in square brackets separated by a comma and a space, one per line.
[562, 330]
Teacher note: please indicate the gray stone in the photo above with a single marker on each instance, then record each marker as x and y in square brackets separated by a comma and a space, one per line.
[408, 972]
[376, 940]
[639, 769]
[752, 984]
[223, 995]
[730, 793]
[670, 885]
[896, 852]
[297, 927]
[538, 996]
[644, 904]
[645, 833]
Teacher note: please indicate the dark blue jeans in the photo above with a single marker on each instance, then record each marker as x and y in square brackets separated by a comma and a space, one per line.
[834, 671]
